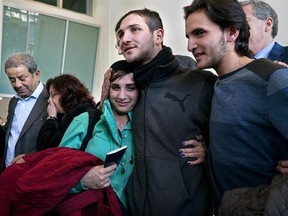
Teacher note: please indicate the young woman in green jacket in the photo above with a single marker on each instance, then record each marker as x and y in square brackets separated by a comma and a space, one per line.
[112, 131]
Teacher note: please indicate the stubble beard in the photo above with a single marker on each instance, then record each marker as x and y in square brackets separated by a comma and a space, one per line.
[218, 53]
[144, 55]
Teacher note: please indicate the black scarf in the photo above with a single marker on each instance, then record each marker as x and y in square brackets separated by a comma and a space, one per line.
[156, 69]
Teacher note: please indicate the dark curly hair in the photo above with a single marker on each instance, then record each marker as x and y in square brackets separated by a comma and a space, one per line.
[225, 13]
[73, 92]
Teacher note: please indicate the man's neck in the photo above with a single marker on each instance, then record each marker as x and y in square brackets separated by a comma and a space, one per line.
[152, 56]
[261, 45]
[265, 51]
[232, 63]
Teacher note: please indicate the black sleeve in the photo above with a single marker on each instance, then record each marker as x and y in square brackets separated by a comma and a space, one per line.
[2, 142]
[49, 136]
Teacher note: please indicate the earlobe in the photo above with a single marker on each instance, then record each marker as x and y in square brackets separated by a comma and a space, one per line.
[37, 72]
[159, 34]
[269, 24]
[232, 34]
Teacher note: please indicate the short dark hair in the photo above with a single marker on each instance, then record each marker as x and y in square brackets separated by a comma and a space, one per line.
[120, 69]
[225, 13]
[19, 59]
[152, 19]
[73, 92]
[262, 10]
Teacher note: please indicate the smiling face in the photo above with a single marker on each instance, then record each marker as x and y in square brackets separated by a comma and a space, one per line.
[23, 82]
[136, 42]
[206, 41]
[123, 94]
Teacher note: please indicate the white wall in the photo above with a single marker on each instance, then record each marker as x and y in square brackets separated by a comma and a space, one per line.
[108, 12]
[171, 12]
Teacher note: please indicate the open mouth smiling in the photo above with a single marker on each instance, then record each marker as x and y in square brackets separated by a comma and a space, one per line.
[128, 48]
[197, 55]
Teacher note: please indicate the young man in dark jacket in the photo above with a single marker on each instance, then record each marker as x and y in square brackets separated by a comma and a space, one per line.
[170, 176]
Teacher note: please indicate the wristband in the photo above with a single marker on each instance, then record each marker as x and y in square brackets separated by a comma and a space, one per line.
[52, 117]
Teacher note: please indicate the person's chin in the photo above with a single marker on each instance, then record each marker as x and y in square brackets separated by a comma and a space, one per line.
[22, 94]
[122, 111]
[202, 65]
[130, 57]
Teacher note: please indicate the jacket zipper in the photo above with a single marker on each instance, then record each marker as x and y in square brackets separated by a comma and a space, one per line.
[145, 167]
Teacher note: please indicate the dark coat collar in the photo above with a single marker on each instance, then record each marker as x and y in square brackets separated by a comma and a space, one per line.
[161, 67]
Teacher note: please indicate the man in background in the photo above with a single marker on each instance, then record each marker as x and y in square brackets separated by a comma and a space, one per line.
[263, 22]
[26, 110]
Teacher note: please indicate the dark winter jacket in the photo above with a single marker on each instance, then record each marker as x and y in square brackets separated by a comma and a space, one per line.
[174, 107]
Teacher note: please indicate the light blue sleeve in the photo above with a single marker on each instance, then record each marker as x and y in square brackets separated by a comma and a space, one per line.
[76, 132]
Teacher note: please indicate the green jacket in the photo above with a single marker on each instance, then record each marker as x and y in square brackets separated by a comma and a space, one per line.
[106, 137]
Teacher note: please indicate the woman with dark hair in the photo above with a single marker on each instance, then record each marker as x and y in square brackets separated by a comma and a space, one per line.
[112, 131]
[69, 97]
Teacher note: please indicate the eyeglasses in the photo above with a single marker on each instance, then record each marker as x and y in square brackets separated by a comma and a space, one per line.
[118, 49]
[53, 94]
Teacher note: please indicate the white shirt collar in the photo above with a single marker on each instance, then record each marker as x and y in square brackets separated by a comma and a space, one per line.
[264, 53]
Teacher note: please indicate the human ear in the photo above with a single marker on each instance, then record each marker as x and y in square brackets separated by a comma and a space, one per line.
[158, 36]
[232, 34]
[269, 24]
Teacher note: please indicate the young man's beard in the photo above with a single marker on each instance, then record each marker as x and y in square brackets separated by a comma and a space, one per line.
[218, 53]
[145, 55]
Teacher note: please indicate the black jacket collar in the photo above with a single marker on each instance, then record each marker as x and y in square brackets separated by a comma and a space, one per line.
[161, 67]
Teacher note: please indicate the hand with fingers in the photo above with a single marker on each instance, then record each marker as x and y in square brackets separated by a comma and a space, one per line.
[98, 177]
[105, 86]
[194, 148]
[282, 166]
[51, 108]
[18, 159]
[281, 63]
